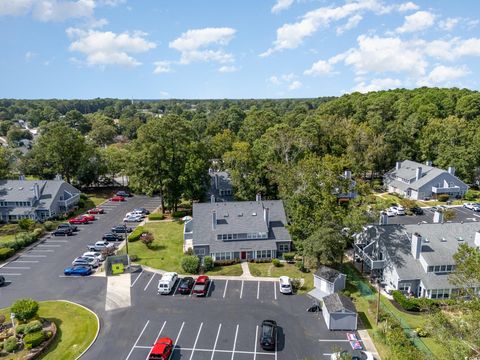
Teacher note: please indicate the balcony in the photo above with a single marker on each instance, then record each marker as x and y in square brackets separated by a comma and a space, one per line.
[366, 254]
[446, 190]
[68, 203]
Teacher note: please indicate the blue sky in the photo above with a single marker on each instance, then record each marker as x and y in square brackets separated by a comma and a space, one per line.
[154, 49]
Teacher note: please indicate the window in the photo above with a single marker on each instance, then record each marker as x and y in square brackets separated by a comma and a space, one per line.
[219, 237]
[405, 286]
[200, 251]
[440, 293]
[223, 256]
[264, 254]
[284, 247]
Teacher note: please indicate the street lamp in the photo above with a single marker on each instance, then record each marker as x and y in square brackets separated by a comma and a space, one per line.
[378, 301]
[126, 235]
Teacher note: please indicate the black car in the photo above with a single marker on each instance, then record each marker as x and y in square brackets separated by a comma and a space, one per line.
[64, 231]
[112, 237]
[69, 226]
[268, 335]
[186, 285]
[121, 229]
[123, 193]
[2, 281]
[417, 210]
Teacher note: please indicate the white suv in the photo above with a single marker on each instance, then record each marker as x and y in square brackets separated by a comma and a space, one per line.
[285, 285]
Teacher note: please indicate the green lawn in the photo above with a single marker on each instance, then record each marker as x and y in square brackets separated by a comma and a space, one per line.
[5, 238]
[76, 329]
[230, 270]
[290, 270]
[97, 199]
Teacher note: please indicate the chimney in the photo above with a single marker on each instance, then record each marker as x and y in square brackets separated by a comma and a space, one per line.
[21, 177]
[258, 197]
[477, 239]
[347, 174]
[266, 216]
[36, 191]
[451, 170]
[215, 178]
[214, 220]
[212, 199]
[419, 173]
[416, 247]
[58, 177]
[428, 162]
[437, 217]
[383, 218]
[398, 165]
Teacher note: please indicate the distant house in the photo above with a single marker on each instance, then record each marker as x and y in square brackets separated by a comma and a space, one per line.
[35, 199]
[415, 259]
[418, 181]
[238, 230]
[220, 185]
[339, 312]
[351, 192]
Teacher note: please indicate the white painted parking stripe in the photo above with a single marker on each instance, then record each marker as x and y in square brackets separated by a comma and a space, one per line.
[33, 256]
[337, 340]
[49, 245]
[276, 344]
[55, 241]
[146, 286]
[136, 342]
[16, 267]
[275, 289]
[235, 341]
[216, 339]
[196, 339]
[176, 340]
[138, 277]
[25, 261]
[225, 290]
[12, 274]
[43, 250]
[176, 288]
[156, 339]
[256, 341]
[258, 289]
[241, 290]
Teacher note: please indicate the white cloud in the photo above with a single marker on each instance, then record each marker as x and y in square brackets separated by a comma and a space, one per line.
[274, 80]
[289, 80]
[16, 7]
[449, 23]
[192, 44]
[320, 68]
[452, 49]
[377, 85]
[281, 5]
[53, 10]
[162, 67]
[111, 2]
[29, 56]
[294, 85]
[443, 75]
[164, 94]
[408, 6]
[106, 48]
[418, 21]
[351, 23]
[228, 69]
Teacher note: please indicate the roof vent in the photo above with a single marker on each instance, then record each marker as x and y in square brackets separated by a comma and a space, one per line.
[225, 215]
[20, 188]
[254, 214]
[459, 238]
[10, 188]
[241, 214]
[443, 239]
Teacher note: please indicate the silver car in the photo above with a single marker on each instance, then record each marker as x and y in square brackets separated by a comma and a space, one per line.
[86, 261]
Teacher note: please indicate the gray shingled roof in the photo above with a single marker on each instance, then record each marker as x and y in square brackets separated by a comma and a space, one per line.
[238, 217]
[336, 303]
[327, 273]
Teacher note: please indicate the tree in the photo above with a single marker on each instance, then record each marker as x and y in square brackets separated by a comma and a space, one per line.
[325, 244]
[75, 119]
[5, 162]
[24, 309]
[467, 268]
[103, 130]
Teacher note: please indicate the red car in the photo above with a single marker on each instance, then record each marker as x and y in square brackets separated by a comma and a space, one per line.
[201, 285]
[78, 220]
[96, 210]
[162, 349]
[88, 217]
[117, 198]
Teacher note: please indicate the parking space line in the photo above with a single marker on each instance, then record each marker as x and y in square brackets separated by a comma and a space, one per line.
[258, 289]
[225, 290]
[33, 256]
[42, 250]
[16, 267]
[146, 286]
[12, 274]
[235, 341]
[138, 277]
[25, 261]
[196, 339]
[241, 290]
[275, 289]
[49, 245]
[216, 339]
[176, 288]
[156, 339]
[176, 340]
[218, 351]
[256, 341]
[52, 240]
[136, 342]
[276, 345]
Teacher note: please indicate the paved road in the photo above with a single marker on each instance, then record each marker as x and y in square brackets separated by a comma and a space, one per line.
[461, 214]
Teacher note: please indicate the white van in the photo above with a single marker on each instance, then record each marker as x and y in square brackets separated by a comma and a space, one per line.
[285, 285]
[167, 282]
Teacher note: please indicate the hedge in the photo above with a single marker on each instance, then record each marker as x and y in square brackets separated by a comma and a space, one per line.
[406, 304]
[6, 252]
[156, 216]
[443, 197]
[179, 214]
[33, 326]
[208, 263]
[419, 304]
[288, 256]
[34, 339]
[23, 239]
[135, 234]
[226, 262]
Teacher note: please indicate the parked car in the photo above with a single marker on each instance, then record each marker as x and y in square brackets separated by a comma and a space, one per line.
[89, 217]
[133, 218]
[390, 212]
[354, 355]
[167, 282]
[417, 210]
[78, 220]
[135, 213]
[121, 229]
[399, 210]
[201, 285]
[123, 194]
[285, 285]
[86, 261]
[186, 285]
[78, 270]
[2, 280]
[63, 231]
[268, 335]
[434, 208]
[112, 237]
[67, 225]
[469, 206]
[142, 210]
[117, 198]
[96, 210]
[162, 349]
[95, 254]
[99, 246]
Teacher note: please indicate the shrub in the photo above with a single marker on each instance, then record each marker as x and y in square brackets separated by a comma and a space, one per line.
[135, 234]
[37, 233]
[406, 304]
[421, 332]
[276, 262]
[190, 251]
[208, 263]
[179, 214]
[34, 339]
[301, 266]
[296, 284]
[25, 309]
[156, 216]
[26, 224]
[84, 197]
[6, 252]
[81, 203]
[289, 256]
[49, 225]
[108, 251]
[190, 264]
[226, 262]
[20, 329]
[33, 326]
[10, 345]
[147, 239]
[443, 197]
[470, 195]
[133, 257]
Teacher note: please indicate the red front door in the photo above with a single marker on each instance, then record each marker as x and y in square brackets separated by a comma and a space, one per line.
[243, 255]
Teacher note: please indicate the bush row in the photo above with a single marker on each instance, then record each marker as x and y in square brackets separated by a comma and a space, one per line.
[5, 253]
[32, 326]
[179, 214]
[8, 248]
[135, 234]
[419, 304]
[34, 339]
[226, 262]
[156, 216]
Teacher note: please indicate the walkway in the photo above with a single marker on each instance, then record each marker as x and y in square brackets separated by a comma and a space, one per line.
[245, 269]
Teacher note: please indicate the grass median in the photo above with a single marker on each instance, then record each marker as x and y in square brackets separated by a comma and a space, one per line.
[290, 270]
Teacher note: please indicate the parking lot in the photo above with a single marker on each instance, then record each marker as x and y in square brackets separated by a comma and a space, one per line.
[461, 214]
